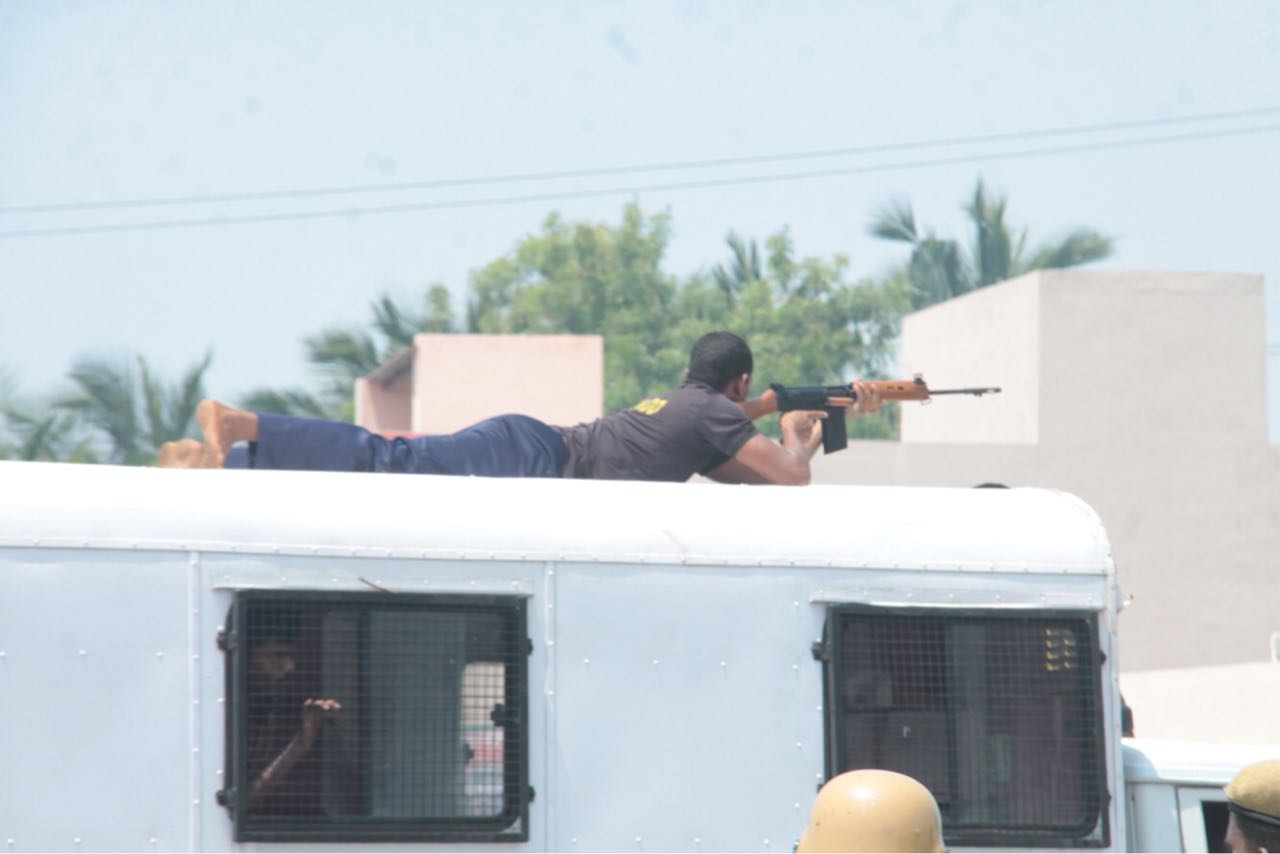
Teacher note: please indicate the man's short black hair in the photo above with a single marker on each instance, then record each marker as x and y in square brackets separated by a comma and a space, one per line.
[1258, 834]
[717, 358]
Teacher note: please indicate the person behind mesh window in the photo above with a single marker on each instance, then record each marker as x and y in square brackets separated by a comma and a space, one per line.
[284, 720]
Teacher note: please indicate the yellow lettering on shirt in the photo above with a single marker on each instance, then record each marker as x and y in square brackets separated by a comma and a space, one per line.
[650, 405]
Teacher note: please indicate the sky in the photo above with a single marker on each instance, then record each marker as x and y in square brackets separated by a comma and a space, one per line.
[451, 129]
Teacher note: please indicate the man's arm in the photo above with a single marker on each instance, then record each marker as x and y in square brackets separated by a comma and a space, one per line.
[313, 713]
[762, 460]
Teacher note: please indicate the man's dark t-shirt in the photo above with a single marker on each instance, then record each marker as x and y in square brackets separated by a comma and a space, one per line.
[693, 428]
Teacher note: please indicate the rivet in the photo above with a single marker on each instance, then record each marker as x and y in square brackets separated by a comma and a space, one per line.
[799, 745]
[655, 662]
[586, 662]
[160, 654]
[83, 652]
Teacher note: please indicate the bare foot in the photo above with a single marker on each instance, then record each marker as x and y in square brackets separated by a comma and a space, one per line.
[209, 416]
[182, 454]
[223, 426]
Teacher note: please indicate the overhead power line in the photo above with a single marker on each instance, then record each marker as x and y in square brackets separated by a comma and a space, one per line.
[550, 196]
[671, 166]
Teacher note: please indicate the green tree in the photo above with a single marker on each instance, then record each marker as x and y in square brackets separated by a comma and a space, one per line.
[126, 409]
[939, 269]
[591, 278]
[807, 320]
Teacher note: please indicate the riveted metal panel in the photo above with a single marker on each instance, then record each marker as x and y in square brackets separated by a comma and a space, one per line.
[95, 721]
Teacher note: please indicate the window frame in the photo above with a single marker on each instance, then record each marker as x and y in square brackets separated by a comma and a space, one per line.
[1095, 833]
[517, 791]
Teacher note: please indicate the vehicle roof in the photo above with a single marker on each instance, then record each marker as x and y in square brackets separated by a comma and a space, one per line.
[998, 530]
[1149, 760]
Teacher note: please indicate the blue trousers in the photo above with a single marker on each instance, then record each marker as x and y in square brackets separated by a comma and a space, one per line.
[504, 446]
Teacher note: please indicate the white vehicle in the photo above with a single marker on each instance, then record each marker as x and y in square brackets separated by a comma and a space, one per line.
[546, 665]
[1175, 793]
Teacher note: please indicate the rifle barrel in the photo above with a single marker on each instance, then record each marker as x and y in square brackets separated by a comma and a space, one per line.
[977, 392]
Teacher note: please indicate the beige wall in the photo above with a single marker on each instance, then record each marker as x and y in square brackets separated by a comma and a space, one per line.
[980, 339]
[446, 382]
[1232, 703]
[384, 399]
[1150, 404]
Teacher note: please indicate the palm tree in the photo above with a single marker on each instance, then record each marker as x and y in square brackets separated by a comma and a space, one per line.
[27, 436]
[130, 411]
[341, 356]
[940, 269]
[743, 267]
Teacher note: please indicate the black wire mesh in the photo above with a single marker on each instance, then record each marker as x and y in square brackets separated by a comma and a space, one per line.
[999, 716]
[361, 718]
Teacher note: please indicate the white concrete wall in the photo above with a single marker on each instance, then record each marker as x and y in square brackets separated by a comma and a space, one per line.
[1229, 703]
[984, 338]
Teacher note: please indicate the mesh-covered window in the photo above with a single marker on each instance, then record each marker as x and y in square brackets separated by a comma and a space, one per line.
[998, 715]
[377, 717]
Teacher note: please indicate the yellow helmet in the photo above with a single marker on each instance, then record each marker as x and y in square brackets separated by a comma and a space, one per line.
[872, 810]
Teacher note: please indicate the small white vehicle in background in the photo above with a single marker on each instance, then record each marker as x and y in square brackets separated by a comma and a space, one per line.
[1174, 788]
[529, 665]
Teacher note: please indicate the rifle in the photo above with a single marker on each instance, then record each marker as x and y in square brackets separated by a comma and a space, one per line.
[835, 399]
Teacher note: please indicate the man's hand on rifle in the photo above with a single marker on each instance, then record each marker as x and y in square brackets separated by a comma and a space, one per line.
[801, 430]
[868, 398]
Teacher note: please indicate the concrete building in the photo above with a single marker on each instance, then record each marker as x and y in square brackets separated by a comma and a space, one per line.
[1144, 394]
[445, 382]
